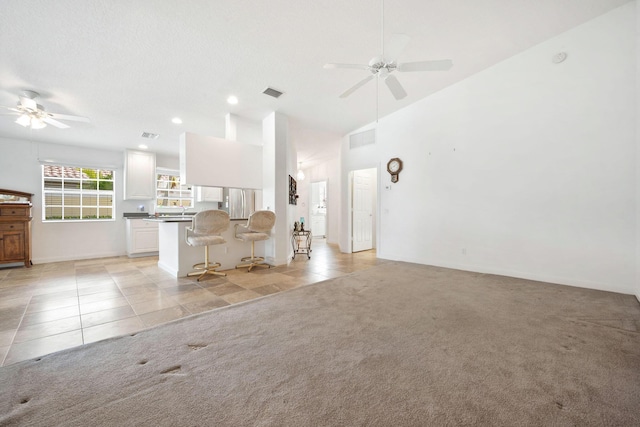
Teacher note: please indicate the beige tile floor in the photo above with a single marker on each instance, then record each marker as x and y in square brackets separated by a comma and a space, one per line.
[50, 307]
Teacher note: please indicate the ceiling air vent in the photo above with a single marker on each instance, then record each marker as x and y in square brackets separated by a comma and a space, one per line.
[272, 92]
[363, 138]
[150, 135]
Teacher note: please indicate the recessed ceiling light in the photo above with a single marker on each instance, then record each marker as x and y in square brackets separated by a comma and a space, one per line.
[177, 120]
[142, 147]
[233, 100]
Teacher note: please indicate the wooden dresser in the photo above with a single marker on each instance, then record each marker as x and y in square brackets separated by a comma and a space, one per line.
[15, 227]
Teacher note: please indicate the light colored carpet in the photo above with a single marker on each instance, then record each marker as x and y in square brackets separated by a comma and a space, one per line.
[397, 345]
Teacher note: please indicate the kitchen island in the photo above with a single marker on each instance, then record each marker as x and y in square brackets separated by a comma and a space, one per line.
[177, 257]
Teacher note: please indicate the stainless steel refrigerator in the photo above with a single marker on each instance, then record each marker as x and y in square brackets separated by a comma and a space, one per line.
[241, 202]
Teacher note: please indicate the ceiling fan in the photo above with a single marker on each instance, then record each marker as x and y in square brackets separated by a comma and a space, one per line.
[31, 114]
[386, 64]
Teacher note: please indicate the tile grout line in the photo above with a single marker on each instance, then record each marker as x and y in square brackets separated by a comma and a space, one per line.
[75, 276]
[16, 331]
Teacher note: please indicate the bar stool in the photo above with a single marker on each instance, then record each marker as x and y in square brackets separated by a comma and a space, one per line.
[258, 228]
[205, 231]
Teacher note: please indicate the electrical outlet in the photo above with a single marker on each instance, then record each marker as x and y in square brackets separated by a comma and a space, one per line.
[464, 251]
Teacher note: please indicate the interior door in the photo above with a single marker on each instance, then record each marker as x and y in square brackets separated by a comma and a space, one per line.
[362, 210]
[318, 208]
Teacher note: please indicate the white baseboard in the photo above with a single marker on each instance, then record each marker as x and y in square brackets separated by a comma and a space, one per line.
[168, 269]
[143, 254]
[47, 260]
[276, 262]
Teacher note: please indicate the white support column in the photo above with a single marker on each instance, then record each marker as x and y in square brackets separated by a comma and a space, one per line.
[230, 127]
[278, 164]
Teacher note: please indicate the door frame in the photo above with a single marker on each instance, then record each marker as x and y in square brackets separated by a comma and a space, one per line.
[376, 211]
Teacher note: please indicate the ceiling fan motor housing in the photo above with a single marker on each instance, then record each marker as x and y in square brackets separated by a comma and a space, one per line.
[379, 66]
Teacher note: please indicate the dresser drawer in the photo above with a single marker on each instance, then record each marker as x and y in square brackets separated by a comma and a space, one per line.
[6, 210]
[13, 226]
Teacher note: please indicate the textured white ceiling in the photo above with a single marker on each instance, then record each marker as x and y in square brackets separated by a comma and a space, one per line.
[130, 66]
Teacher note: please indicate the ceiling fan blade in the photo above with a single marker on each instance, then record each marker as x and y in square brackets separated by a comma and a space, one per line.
[13, 110]
[357, 86]
[356, 66]
[55, 123]
[72, 118]
[439, 65]
[395, 87]
[395, 46]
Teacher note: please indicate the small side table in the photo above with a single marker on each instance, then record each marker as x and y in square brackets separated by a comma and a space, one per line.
[301, 242]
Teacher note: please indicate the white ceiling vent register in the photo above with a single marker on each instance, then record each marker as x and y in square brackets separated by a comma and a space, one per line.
[272, 92]
[363, 138]
[150, 135]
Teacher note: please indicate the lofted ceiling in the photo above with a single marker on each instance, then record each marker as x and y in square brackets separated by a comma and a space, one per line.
[131, 66]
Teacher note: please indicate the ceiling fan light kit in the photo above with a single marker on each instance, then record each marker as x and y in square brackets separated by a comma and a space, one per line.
[34, 122]
[33, 115]
[24, 120]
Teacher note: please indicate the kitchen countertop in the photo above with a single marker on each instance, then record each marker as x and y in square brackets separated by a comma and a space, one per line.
[145, 215]
[176, 218]
[179, 218]
[166, 218]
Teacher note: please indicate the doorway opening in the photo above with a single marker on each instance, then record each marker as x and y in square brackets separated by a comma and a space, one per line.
[364, 184]
[318, 209]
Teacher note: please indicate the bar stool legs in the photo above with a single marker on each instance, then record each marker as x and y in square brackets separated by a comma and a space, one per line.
[259, 228]
[252, 261]
[206, 267]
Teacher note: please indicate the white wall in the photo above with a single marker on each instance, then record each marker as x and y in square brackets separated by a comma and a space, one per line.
[53, 241]
[526, 169]
[248, 131]
[637, 180]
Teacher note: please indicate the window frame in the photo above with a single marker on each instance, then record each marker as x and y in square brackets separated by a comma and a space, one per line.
[81, 193]
[181, 189]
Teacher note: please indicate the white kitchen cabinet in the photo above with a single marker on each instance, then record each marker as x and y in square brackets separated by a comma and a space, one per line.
[142, 237]
[209, 194]
[139, 175]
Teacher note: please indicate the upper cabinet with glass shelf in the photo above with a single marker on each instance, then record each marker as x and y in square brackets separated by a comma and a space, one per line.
[169, 193]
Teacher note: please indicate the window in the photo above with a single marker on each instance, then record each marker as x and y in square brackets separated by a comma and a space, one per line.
[77, 194]
[170, 194]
